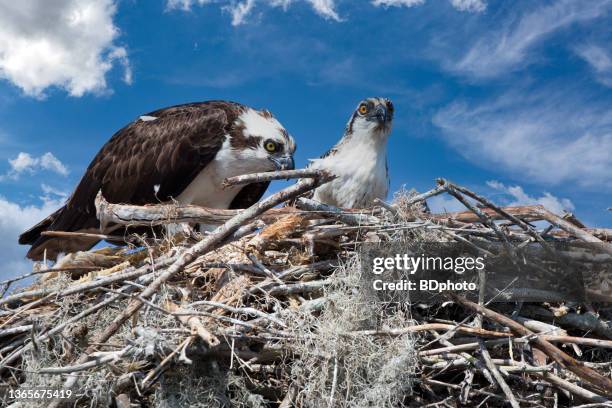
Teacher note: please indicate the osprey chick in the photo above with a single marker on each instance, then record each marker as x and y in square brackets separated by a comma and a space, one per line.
[180, 153]
[359, 159]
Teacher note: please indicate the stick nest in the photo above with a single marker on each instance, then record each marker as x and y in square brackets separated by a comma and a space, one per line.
[269, 315]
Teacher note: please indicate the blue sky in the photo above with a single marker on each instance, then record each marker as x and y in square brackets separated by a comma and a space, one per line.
[512, 99]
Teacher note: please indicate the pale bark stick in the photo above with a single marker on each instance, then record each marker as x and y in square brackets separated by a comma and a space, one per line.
[338, 213]
[275, 175]
[571, 387]
[498, 377]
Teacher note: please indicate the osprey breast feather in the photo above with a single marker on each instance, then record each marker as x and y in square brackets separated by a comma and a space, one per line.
[359, 159]
[180, 153]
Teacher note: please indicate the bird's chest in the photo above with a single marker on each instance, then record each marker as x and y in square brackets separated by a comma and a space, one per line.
[207, 188]
[361, 177]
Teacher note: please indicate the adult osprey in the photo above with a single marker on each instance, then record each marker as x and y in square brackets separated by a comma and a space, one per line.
[359, 159]
[180, 153]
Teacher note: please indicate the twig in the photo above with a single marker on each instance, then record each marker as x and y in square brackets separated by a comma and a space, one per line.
[339, 214]
[498, 377]
[148, 380]
[276, 175]
[573, 388]
[484, 218]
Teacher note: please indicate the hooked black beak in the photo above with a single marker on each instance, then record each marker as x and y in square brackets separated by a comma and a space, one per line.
[381, 113]
[283, 163]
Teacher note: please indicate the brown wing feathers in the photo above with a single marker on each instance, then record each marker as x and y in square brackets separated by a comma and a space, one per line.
[168, 151]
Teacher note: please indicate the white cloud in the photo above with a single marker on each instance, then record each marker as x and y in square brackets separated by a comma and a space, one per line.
[507, 49]
[519, 197]
[551, 136]
[325, 8]
[397, 3]
[474, 6]
[14, 219]
[184, 4]
[26, 163]
[600, 61]
[70, 44]
[241, 10]
[50, 191]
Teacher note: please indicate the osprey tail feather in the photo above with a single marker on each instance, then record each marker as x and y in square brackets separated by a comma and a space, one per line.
[50, 247]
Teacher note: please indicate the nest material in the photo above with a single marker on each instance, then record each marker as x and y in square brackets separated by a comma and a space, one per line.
[267, 314]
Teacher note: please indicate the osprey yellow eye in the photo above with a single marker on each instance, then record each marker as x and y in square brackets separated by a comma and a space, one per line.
[270, 146]
[363, 109]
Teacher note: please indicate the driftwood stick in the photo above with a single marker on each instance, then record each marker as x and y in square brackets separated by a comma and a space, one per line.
[571, 387]
[338, 213]
[106, 358]
[588, 322]
[194, 323]
[389, 207]
[15, 330]
[239, 310]
[428, 194]
[275, 175]
[497, 375]
[575, 366]
[302, 287]
[150, 215]
[161, 214]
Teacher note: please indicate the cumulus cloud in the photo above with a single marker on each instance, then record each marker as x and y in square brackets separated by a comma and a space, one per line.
[26, 163]
[507, 48]
[517, 196]
[550, 136]
[70, 44]
[600, 61]
[14, 219]
[474, 6]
